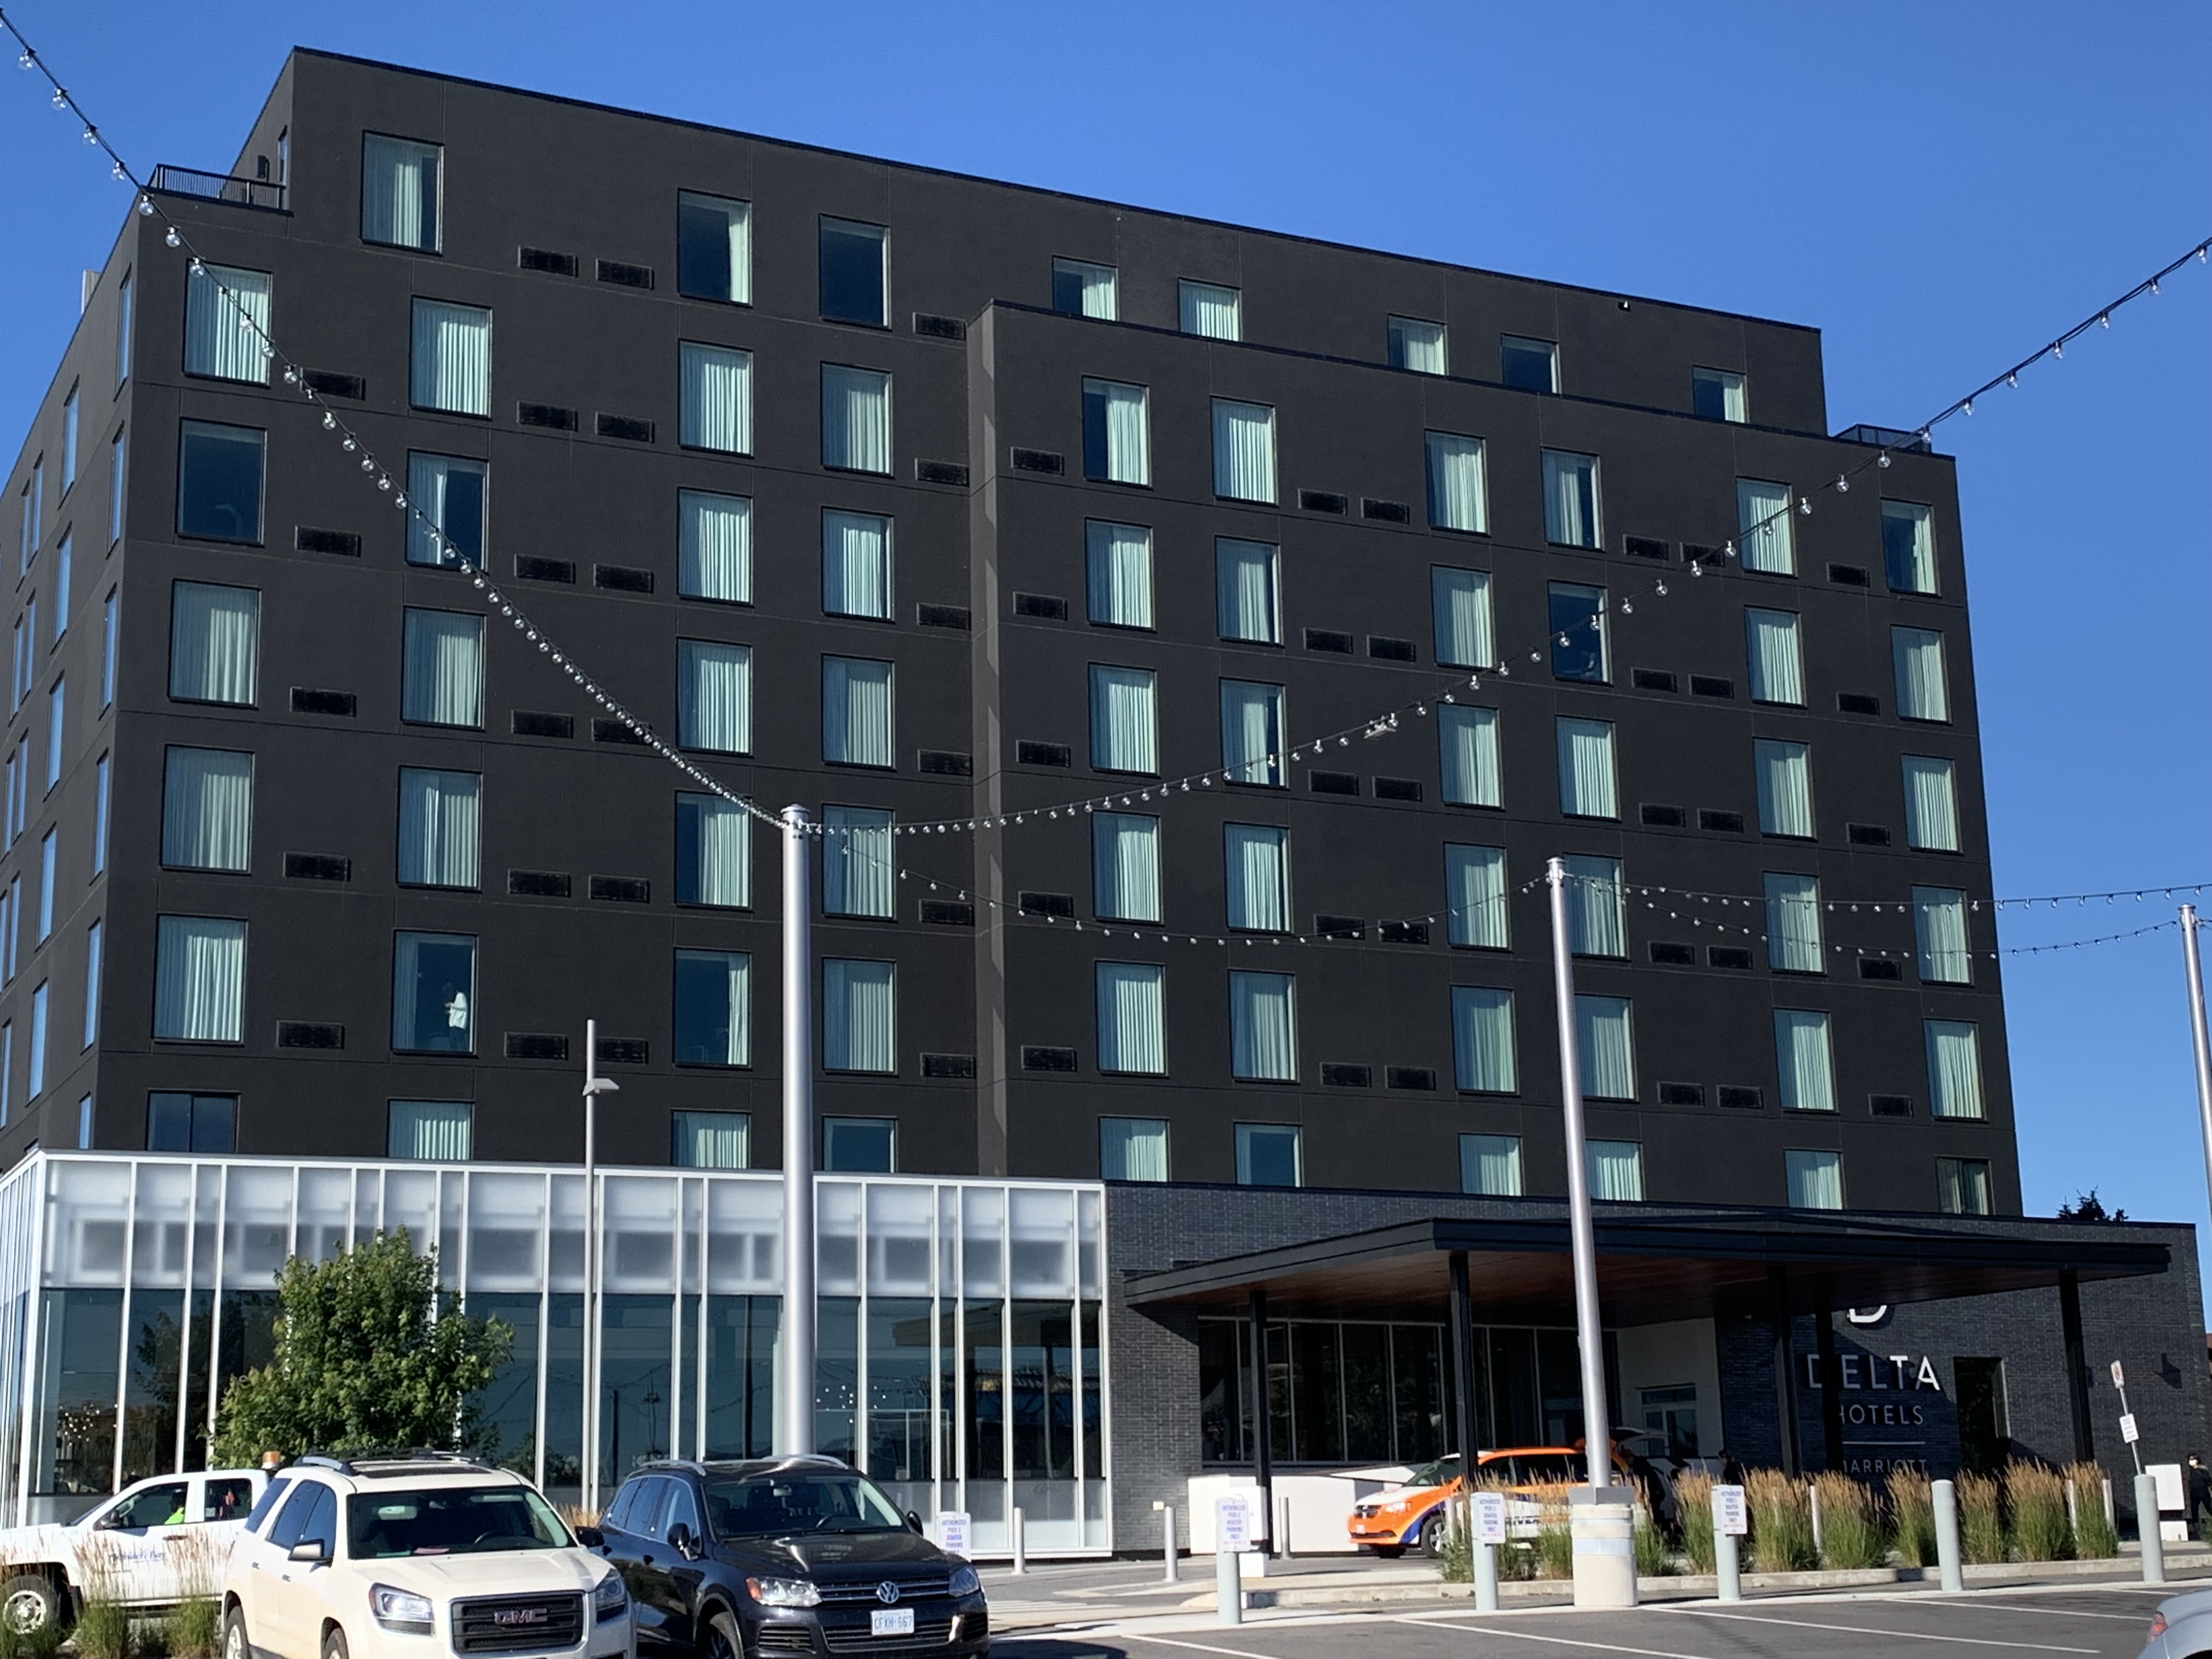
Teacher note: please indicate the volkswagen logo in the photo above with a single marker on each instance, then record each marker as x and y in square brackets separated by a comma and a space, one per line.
[887, 1592]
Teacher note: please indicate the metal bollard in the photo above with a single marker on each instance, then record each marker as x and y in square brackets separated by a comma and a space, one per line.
[1172, 1570]
[1283, 1528]
[1021, 1542]
[2154, 1547]
[1812, 1496]
[1486, 1577]
[1228, 1585]
[1725, 1567]
[1945, 1497]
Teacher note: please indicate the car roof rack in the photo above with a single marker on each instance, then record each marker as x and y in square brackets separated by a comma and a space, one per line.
[398, 1460]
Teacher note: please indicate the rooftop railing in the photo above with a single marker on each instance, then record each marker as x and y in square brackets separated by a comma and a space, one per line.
[220, 187]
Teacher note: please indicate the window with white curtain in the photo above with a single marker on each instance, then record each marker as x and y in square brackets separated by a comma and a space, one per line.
[1474, 896]
[714, 397]
[1244, 451]
[1931, 805]
[1417, 345]
[449, 366]
[1607, 1048]
[1461, 602]
[1467, 741]
[49, 863]
[1528, 365]
[1571, 500]
[199, 979]
[1954, 1069]
[431, 1131]
[1814, 1179]
[1939, 933]
[441, 828]
[1117, 440]
[713, 1008]
[226, 319]
[1785, 786]
[1586, 769]
[218, 481]
[1484, 1057]
[1252, 733]
[37, 1081]
[1132, 1029]
[715, 697]
[1132, 1149]
[207, 810]
[856, 564]
[1262, 1023]
[1576, 614]
[1762, 514]
[57, 712]
[101, 772]
[126, 294]
[434, 992]
[1804, 1061]
[714, 546]
[69, 440]
[1247, 590]
[1908, 547]
[1269, 1155]
[1778, 673]
[859, 875]
[1258, 876]
[1615, 1170]
[1123, 731]
[1793, 923]
[1490, 1165]
[1210, 310]
[711, 1141]
[399, 191]
[713, 853]
[1125, 867]
[1080, 288]
[1962, 1186]
[63, 549]
[215, 643]
[441, 673]
[1716, 394]
[1597, 906]
[92, 938]
[111, 621]
[1117, 567]
[856, 419]
[1459, 495]
[1922, 693]
[714, 250]
[118, 474]
[452, 491]
[856, 711]
[859, 1015]
[859, 1145]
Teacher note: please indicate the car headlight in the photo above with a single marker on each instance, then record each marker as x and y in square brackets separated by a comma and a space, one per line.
[609, 1599]
[783, 1592]
[399, 1609]
[964, 1582]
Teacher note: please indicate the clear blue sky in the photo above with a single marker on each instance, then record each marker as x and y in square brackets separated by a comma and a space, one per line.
[1938, 188]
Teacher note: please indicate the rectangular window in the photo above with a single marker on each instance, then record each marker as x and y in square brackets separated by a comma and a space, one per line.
[1258, 876]
[715, 547]
[1132, 1019]
[710, 1141]
[1815, 1179]
[1262, 1020]
[432, 1131]
[715, 407]
[440, 833]
[1778, 673]
[1483, 1053]
[1490, 1165]
[1922, 693]
[1803, 1060]
[856, 712]
[1459, 496]
[1908, 547]
[1762, 511]
[1269, 1155]
[1252, 733]
[713, 851]
[449, 366]
[178, 1122]
[452, 491]
[14, 922]
[1083, 289]
[1578, 633]
[117, 449]
[1417, 345]
[199, 979]
[1117, 563]
[26, 658]
[1962, 1186]
[1931, 805]
[1571, 500]
[1954, 1069]
[1527, 365]
[1468, 740]
[715, 697]
[859, 877]
[1248, 591]
[33, 502]
[1785, 787]
[49, 859]
[124, 295]
[854, 261]
[856, 419]
[207, 810]
[1123, 732]
[1939, 932]
[856, 565]
[219, 481]
[56, 710]
[1210, 310]
[1606, 1046]
[714, 254]
[433, 985]
[215, 643]
[62, 560]
[1597, 907]
[1117, 443]
[1615, 1170]
[1586, 769]
[1132, 1149]
[69, 441]
[1474, 896]
[1243, 452]
[859, 1015]
[226, 321]
[714, 1009]
[441, 670]
[1461, 602]
[35, 1084]
[859, 1145]
[1125, 867]
[8, 1069]
[91, 936]
[99, 819]
[1793, 923]
[1716, 394]
[399, 204]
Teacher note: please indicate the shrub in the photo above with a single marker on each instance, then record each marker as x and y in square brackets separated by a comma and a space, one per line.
[2094, 1537]
[1653, 1558]
[193, 1628]
[1781, 1523]
[1456, 1561]
[1694, 1501]
[103, 1626]
[1913, 1514]
[1981, 1519]
[2038, 1497]
[1852, 1530]
[1555, 1550]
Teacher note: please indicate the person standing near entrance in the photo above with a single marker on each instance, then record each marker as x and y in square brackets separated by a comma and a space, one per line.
[2197, 1481]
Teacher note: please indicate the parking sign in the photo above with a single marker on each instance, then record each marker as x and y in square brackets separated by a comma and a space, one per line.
[1232, 1523]
[1729, 1513]
[952, 1531]
[1490, 1517]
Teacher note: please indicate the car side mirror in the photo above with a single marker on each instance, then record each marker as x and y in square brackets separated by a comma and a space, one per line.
[591, 1538]
[681, 1540]
[912, 1521]
[313, 1551]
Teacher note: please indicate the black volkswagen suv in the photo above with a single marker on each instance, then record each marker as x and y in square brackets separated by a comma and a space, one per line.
[801, 1555]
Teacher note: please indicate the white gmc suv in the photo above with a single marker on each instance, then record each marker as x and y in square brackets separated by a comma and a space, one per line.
[413, 1558]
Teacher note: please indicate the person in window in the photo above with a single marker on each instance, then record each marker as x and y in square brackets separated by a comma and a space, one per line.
[457, 1009]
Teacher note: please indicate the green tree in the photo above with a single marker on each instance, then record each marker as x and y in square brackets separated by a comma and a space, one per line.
[2087, 1206]
[365, 1361]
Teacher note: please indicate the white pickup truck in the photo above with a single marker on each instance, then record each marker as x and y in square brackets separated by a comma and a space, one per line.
[144, 1542]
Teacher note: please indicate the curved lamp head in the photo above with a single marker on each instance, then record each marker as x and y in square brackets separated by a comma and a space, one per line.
[603, 1086]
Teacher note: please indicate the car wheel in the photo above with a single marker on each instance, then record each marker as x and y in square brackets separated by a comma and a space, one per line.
[723, 1641]
[235, 1644]
[334, 1643]
[29, 1603]
[1433, 1534]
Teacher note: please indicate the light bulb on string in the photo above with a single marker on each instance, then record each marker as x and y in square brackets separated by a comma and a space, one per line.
[349, 446]
[2057, 351]
[329, 422]
[172, 239]
[117, 171]
[1882, 460]
[146, 206]
[2104, 318]
[27, 60]
[1805, 506]
[2012, 379]
[91, 136]
[61, 99]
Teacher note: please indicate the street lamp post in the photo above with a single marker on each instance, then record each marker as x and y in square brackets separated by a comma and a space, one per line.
[2199, 1037]
[594, 1086]
[794, 1436]
[1597, 1423]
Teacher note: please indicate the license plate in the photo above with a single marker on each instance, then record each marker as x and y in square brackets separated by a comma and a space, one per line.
[891, 1621]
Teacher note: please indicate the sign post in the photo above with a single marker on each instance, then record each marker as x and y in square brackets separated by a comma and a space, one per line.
[1232, 1536]
[1489, 1512]
[1731, 1521]
[2128, 1423]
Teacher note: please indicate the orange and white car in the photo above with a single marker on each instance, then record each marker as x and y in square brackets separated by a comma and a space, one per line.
[1411, 1516]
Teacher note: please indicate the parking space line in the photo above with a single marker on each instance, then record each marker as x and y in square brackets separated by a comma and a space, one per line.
[1556, 1641]
[1201, 1647]
[1873, 1629]
[1968, 1606]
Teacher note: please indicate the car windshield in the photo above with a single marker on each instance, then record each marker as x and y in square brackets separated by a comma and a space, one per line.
[774, 1505]
[451, 1520]
[1435, 1473]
